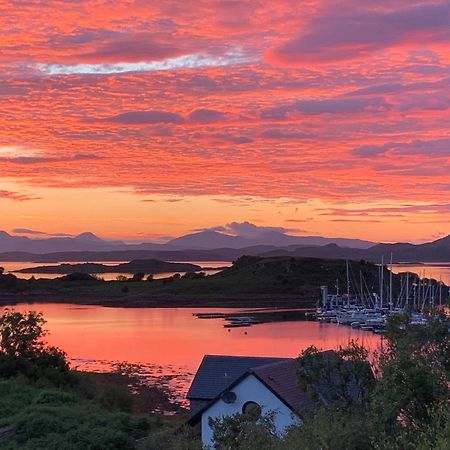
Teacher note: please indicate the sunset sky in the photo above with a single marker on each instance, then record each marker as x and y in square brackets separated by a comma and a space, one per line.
[145, 119]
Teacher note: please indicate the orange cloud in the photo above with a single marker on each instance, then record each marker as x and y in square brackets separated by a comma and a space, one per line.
[337, 102]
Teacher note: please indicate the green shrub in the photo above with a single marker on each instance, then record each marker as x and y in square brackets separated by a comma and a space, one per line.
[47, 396]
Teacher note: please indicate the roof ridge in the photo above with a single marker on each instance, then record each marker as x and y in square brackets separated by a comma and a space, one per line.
[265, 366]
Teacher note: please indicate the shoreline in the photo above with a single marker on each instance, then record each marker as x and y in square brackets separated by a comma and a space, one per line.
[151, 394]
[162, 301]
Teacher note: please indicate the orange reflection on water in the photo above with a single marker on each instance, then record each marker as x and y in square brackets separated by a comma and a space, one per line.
[174, 337]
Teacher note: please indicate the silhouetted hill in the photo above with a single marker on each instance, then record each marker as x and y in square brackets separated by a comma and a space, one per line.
[436, 251]
[252, 281]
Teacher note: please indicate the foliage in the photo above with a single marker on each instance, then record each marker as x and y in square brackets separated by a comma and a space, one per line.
[414, 366]
[47, 417]
[9, 282]
[22, 334]
[194, 275]
[242, 432]
[185, 438]
[79, 277]
[23, 349]
[341, 377]
[330, 429]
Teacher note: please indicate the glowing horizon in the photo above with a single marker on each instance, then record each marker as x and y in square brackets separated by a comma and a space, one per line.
[147, 120]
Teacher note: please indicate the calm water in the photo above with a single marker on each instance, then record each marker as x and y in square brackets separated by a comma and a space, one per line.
[427, 270]
[171, 341]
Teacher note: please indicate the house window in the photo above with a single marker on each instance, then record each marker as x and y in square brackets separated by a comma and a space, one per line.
[252, 410]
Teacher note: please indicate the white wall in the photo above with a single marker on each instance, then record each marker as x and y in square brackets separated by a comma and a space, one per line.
[249, 389]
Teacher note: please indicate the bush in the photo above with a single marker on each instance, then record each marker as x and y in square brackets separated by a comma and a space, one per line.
[180, 439]
[43, 417]
[24, 351]
[48, 396]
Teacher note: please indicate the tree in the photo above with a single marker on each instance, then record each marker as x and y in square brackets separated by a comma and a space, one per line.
[23, 348]
[341, 378]
[414, 366]
[138, 276]
[330, 429]
[22, 334]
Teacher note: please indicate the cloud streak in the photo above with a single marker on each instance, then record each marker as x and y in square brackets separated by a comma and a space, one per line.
[194, 61]
[16, 196]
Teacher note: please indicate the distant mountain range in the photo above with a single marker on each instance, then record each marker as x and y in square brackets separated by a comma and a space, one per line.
[203, 240]
[214, 239]
[216, 246]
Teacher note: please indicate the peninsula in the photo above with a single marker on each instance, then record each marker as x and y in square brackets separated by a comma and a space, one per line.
[251, 281]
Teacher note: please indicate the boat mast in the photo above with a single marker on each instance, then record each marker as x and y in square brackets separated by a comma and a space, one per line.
[419, 297]
[382, 282]
[432, 294]
[407, 291]
[348, 284]
[390, 285]
[361, 286]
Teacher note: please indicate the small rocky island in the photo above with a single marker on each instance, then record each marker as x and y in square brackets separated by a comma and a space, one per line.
[148, 266]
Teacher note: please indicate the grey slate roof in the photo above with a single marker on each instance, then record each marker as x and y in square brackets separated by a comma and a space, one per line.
[217, 373]
[281, 378]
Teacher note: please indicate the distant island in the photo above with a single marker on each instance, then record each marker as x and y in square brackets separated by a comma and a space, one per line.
[146, 266]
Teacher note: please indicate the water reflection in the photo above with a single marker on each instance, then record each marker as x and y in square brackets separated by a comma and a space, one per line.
[174, 337]
[437, 271]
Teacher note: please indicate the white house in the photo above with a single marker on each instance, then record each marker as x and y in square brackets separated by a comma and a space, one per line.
[226, 385]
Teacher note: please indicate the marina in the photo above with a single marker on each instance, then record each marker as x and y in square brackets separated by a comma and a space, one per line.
[415, 297]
